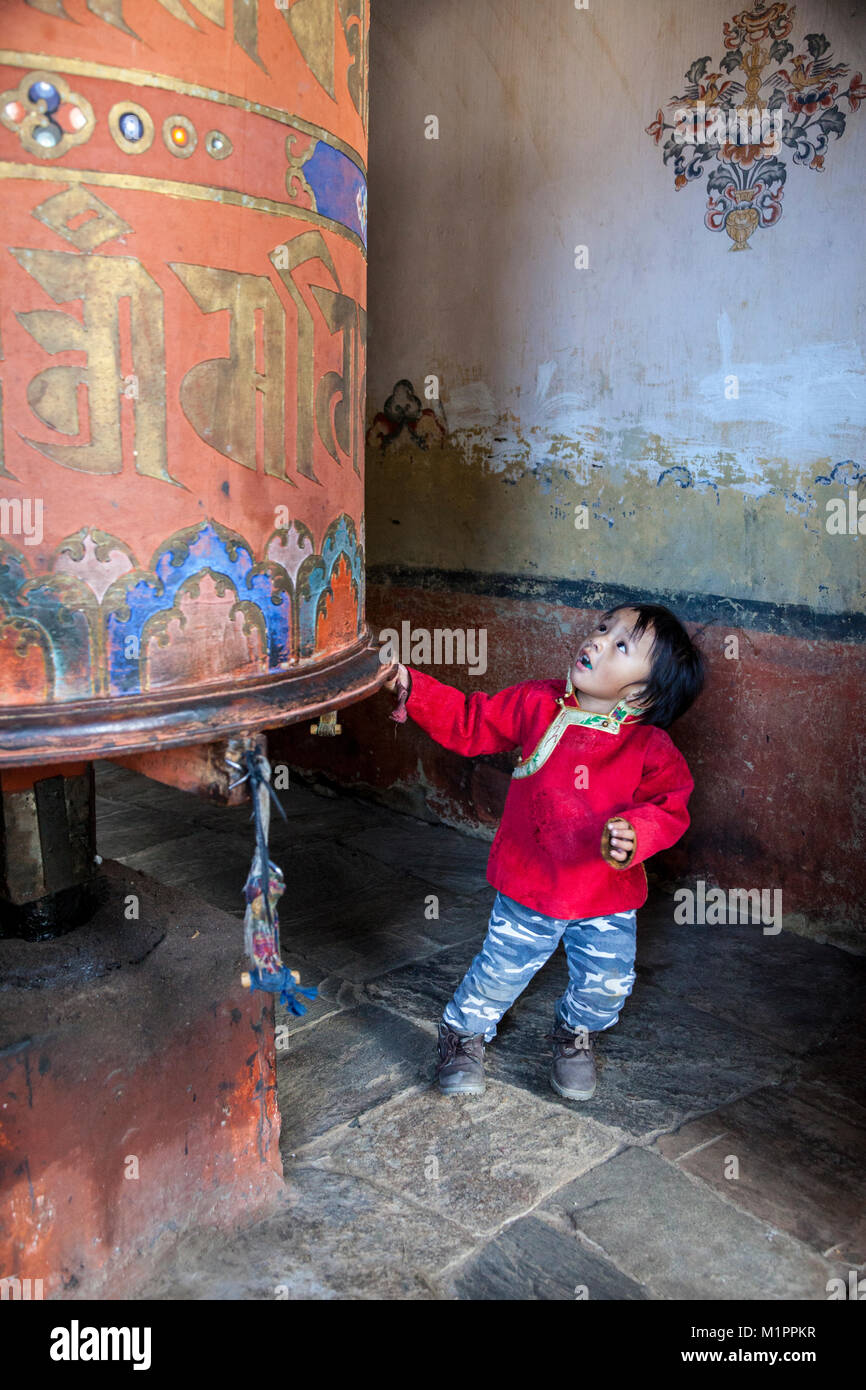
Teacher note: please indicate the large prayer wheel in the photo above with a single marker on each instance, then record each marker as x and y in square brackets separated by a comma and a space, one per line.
[183, 371]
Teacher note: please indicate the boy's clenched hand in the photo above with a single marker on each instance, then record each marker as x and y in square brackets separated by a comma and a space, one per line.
[622, 838]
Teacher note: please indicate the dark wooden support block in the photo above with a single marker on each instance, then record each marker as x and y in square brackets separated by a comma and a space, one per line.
[47, 850]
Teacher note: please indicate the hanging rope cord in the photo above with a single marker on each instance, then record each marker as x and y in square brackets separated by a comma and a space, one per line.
[262, 793]
[264, 886]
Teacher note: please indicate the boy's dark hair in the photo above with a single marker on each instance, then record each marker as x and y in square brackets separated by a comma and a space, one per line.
[677, 669]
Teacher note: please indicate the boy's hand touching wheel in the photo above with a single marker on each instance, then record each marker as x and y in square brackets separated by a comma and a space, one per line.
[400, 673]
[402, 685]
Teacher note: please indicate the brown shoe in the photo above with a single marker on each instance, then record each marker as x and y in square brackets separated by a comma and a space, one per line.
[573, 1072]
[460, 1069]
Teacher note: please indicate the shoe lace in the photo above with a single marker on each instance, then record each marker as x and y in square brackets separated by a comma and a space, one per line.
[570, 1044]
[454, 1043]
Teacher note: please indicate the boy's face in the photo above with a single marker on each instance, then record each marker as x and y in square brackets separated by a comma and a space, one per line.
[612, 665]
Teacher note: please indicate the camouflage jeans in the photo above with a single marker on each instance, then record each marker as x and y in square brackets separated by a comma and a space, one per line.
[600, 952]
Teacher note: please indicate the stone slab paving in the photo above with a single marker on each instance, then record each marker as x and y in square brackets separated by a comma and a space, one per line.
[396, 1192]
[125, 824]
[350, 915]
[534, 1260]
[335, 1238]
[834, 1073]
[333, 994]
[435, 854]
[333, 1075]
[479, 1160]
[183, 861]
[794, 986]
[679, 1239]
[795, 1166]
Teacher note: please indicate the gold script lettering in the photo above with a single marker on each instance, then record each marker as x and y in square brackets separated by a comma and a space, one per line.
[102, 283]
[286, 259]
[341, 315]
[219, 396]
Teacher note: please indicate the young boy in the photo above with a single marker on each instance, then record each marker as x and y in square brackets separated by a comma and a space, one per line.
[599, 788]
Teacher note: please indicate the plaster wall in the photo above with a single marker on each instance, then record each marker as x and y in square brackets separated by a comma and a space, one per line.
[607, 386]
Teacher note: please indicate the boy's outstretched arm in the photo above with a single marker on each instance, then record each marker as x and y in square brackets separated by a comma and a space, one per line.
[657, 817]
[467, 724]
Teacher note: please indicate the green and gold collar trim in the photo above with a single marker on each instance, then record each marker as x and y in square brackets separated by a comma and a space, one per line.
[572, 714]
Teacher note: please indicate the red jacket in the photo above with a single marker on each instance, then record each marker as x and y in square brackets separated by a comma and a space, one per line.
[551, 851]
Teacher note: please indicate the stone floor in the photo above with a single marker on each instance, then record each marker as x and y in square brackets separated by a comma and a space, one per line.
[720, 1158]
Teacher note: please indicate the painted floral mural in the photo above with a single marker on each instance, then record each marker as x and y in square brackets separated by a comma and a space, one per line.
[787, 102]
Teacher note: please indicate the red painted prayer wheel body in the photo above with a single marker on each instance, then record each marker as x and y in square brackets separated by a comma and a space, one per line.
[183, 350]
